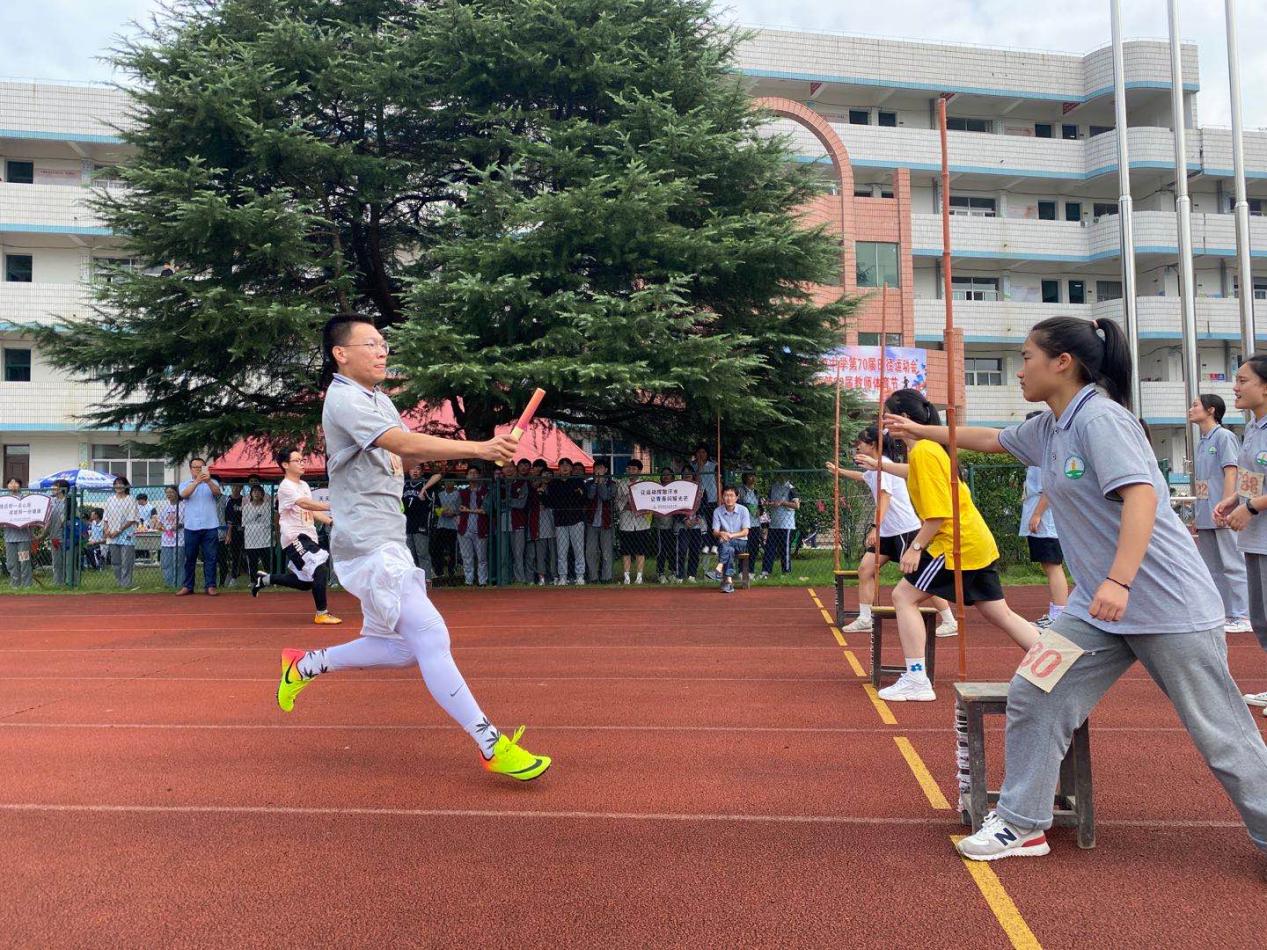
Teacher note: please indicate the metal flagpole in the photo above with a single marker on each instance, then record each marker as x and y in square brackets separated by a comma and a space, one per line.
[1183, 212]
[879, 416]
[835, 488]
[1244, 273]
[1125, 207]
[951, 376]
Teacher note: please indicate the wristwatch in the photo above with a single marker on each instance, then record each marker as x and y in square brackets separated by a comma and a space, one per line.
[916, 546]
[1249, 506]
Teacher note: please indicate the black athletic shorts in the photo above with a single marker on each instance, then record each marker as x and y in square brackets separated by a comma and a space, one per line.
[633, 543]
[933, 577]
[1045, 551]
[894, 546]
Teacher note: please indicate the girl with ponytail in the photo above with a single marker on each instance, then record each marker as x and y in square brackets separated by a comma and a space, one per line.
[928, 560]
[896, 526]
[1139, 584]
[1214, 467]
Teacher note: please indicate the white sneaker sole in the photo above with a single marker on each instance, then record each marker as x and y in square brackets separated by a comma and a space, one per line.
[928, 697]
[1254, 700]
[947, 634]
[1034, 851]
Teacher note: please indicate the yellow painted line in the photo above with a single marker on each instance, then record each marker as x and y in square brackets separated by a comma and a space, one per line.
[922, 775]
[853, 662]
[828, 617]
[810, 590]
[840, 637]
[1005, 911]
[886, 716]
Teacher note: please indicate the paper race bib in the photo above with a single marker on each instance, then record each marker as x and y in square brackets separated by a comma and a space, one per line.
[24, 556]
[1248, 484]
[1203, 490]
[1049, 660]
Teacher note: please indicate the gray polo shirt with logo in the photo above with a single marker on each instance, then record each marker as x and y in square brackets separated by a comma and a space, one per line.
[1095, 448]
[1217, 449]
[1250, 477]
[366, 481]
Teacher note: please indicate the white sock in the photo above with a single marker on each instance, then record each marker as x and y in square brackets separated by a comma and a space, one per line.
[1055, 610]
[947, 615]
[915, 667]
[864, 611]
[427, 636]
[639, 577]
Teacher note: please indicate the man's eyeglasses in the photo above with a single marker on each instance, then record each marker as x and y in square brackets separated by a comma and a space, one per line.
[380, 345]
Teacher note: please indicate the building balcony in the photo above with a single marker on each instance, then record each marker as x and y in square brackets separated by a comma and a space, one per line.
[27, 304]
[1163, 402]
[1008, 321]
[72, 112]
[1027, 239]
[48, 209]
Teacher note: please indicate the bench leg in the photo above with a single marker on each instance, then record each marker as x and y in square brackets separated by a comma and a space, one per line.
[840, 601]
[930, 647]
[1081, 749]
[978, 794]
[877, 639]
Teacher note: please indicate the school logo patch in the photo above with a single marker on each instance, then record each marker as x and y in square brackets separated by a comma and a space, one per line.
[1210, 450]
[1076, 466]
[1261, 459]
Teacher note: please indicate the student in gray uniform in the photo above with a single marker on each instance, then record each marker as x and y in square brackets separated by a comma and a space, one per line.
[1241, 512]
[365, 444]
[1142, 591]
[17, 545]
[1214, 479]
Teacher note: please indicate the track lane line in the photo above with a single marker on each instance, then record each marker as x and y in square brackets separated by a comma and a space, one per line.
[1002, 905]
[926, 781]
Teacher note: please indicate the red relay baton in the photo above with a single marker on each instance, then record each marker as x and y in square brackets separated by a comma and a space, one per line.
[525, 417]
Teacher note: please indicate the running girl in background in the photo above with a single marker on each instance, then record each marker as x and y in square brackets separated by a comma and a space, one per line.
[928, 562]
[1141, 590]
[896, 526]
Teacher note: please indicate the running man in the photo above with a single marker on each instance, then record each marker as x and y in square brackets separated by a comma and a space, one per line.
[365, 444]
[296, 512]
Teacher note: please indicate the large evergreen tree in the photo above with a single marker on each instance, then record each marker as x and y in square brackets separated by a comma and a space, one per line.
[566, 193]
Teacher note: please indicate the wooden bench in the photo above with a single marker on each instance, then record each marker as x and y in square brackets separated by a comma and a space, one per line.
[745, 574]
[1074, 805]
[879, 615]
[842, 615]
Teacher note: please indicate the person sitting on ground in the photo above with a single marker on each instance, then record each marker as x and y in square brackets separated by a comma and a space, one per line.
[731, 522]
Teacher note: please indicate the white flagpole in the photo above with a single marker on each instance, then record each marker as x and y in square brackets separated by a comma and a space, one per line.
[1125, 207]
[1183, 212]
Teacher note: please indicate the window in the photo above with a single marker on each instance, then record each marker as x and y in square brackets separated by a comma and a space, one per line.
[122, 460]
[1103, 208]
[983, 372]
[18, 268]
[17, 462]
[612, 451]
[1047, 211]
[19, 173]
[105, 174]
[106, 270]
[1042, 130]
[1108, 290]
[974, 288]
[1099, 130]
[859, 117]
[973, 207]
[1051, 291]
[877, 264]
[886, 194]
[887, 119]
[1260, 290]
[960, 124]
[873, 339]
[1077, 291]
[17, 364]
[1073, 210]
[1068, 131]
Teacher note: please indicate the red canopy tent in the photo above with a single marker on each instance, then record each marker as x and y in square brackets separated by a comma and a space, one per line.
[543, 440]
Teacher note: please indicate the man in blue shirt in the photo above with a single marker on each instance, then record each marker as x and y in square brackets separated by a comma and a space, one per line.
[201, 493]
[731, 522]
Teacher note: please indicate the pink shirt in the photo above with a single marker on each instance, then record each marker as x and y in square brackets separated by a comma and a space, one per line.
[291, 519]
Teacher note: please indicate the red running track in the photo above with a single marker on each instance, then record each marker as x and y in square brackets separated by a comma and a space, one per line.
[721, 779]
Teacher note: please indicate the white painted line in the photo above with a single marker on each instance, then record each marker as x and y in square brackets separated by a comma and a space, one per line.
[406, 727]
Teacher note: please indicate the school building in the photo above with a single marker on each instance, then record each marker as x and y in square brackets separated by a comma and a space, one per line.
[1033, 195]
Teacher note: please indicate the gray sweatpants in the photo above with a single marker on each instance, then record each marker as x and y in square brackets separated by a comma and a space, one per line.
[570, 540]
[518, 555]
[420, 548]
[122, 557]
[1256, 570]
[20, 574]
[598, 552]
[1227, 567]
[474, 554]
[1191, 669]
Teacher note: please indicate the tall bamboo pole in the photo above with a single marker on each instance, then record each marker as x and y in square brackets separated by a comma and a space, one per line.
[835, 490]
[879, 414]
[952, 371]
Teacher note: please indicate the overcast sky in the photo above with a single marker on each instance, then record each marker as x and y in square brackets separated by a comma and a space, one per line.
[62, 39]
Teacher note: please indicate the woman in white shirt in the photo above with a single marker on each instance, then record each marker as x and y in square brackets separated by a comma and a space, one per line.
[257, 529]
[896, 525]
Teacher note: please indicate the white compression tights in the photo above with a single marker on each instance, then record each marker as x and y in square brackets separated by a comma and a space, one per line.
[426, 642]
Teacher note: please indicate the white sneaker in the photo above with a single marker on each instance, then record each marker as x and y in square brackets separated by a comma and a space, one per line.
[997, 839]
[1043, 622]
[765, 576]
[580, 582]
[560, 582]
[1238, 626]
[691, 579]
[909, 689]
[663, 579]
[627, 577]
[1256, 699]
[637, 580]
[861, 625]
[947, 628]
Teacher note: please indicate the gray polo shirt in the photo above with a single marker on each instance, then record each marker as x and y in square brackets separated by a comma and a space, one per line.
[1092, 450]
[731, 521]
[1216, 450]
[1252, 466]
[366, 482]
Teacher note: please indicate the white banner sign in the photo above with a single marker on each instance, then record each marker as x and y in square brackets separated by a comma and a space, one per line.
[25, 511]
[675, 498]
[859, 367]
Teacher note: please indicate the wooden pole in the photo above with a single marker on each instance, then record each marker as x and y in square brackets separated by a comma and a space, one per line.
[952, 371]
[835, 490]
[879, 416]
[717, 467]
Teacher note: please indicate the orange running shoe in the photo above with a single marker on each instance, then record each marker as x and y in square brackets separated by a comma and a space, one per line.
[324, 617]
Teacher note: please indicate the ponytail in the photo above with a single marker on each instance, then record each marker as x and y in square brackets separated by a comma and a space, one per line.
[1098, 347]
[1215, 404]
[893, 450]
[913, 404]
